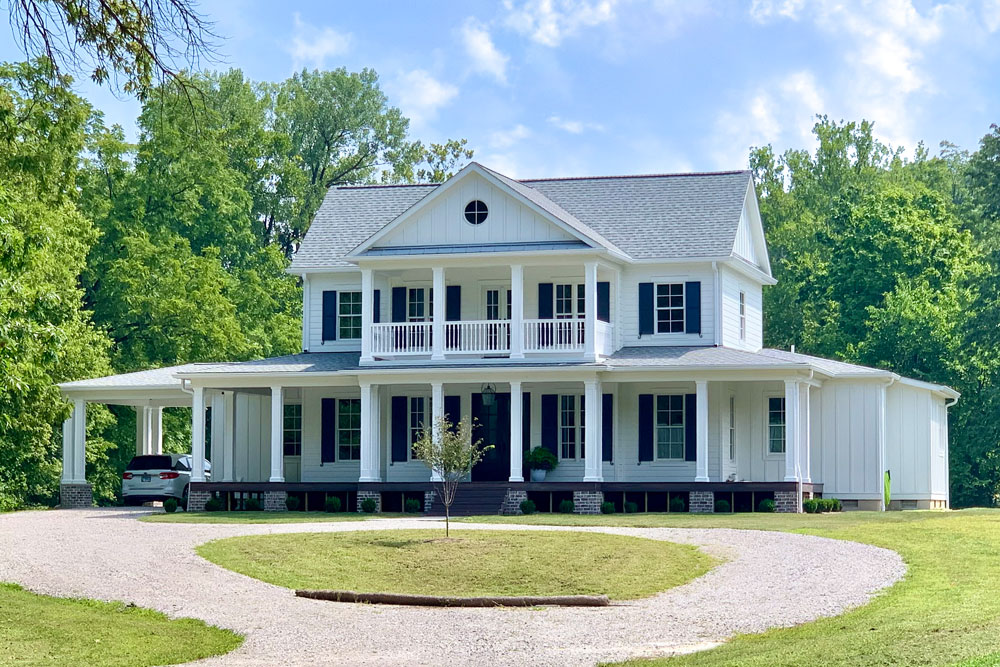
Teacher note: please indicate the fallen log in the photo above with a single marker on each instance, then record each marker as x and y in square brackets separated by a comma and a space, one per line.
[444, 601]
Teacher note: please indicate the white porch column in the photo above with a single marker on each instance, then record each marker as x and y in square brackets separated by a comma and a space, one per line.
[143, 430]
[198, 434]
[68, 476]
[370, 464]
[805, 439]
[516, 314]
[367, 314]
[516, 441]
[437, 412]
[590, 317]
[592, 468]
[80, 440]
[277, 435]
[792, 431]
[156, 430]
[437, 323]
[701, 430]
[229, 436]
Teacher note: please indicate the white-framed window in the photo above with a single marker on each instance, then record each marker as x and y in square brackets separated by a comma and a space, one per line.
[571, 301]
[349, 429]
[293, 429]
[419, 304]
[670, 427]
[732, 427]
[418, 417]
[743, 315]
[670, 308]
[349, 315]
[572, 415]
[776, 424]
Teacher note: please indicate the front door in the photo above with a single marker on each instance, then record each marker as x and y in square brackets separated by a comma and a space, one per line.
[491, 423]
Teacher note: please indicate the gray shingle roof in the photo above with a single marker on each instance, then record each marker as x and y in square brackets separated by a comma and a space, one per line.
[307, 362]
[155, 377]
[669, 216]
[828, 366]
[667, 356]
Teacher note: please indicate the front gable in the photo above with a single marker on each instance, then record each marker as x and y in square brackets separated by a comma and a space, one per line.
[750, 244]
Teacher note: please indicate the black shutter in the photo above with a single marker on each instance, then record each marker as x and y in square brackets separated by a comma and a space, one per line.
[329, 315]
[453, 411]
[526, 421]
[645, 427]
[645, 308]
[690, 427]
[453, 303]
[604, 301]
[398, 304]
[550, 423]
[400, 428]
[607, 427]
[377, 306]
[545, 293]
[692, 307]
[328, 431]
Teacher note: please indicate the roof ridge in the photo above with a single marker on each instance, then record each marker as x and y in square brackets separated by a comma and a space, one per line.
[371, 186]
[628, 176]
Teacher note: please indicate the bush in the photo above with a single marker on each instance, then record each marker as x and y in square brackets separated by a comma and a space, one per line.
[332, 504]
[566, 507]
[722, 506]
[170, 505]
[837, 506]
[631, 507]
[810, 506]
[766, 505]
[368, 505]
[214, 504]
[607, 507]
[677, 504]
[540, 458]
[412, 506]
[528, 507]
[292, 503]
[251, 505]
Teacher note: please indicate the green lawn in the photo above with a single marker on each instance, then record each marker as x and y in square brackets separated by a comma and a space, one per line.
[469, 563]
[946, 611]
[42, 630]
[262, 517]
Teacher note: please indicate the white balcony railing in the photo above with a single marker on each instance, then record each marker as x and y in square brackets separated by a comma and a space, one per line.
[553, 335]
[401, 338]
[605, 338]
[477, 337]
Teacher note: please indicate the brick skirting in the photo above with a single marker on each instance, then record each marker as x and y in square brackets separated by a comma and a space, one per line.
[197, 500]
[274, 501]
[75, 496]
[787, 501]
[363, 495]
[701, 502]
[428, 501]
[512, 502]
[587, 502]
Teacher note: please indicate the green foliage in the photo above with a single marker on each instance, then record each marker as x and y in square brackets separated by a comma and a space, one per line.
[766, 505]
[810, 506]
[631, 507]
[540, 458]
[722, 506]
[607, 507]
[411, 506]
[677, 504]
[566, 507]
[332, 505]
[251, 505]
[369, 505]
[170, 505]
[292, 503]
[528, 507]
[214, 504]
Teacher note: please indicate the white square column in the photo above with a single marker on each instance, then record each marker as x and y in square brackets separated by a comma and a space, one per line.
[805, 437]
[592, 467]
[701, 431]
[516, 432]
[516, 313]
[792, 434]
[437, 412]
[229, 435]
[437, 319]
[277, 435]
[197, 434]
[75, 445]
[143, 430]
[590, 315]
[370, 434]
[367, 314]
[67, 462]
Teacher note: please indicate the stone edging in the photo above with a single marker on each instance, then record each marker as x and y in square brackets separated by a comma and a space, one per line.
[443, 601]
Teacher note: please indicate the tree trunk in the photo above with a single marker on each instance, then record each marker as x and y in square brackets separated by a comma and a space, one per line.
[447, 520]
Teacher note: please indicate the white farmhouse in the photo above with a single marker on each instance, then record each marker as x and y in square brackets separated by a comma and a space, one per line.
[616, 322]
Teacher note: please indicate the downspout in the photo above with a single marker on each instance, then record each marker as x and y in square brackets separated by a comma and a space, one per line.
[718, 306]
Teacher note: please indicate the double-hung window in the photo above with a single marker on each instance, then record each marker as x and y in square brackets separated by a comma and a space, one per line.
[572, 415]
[732, 428]
[419, 304]
[670, 308]
[670, 427]
[349, 315]
[571, 304]
[349, 429]
[776, 425]
[293, 429]
[743, 315]
[418, 417]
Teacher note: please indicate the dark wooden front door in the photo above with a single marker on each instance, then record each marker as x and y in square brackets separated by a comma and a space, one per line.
[491, 423]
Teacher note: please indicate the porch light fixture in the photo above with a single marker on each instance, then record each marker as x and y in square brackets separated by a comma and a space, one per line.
[489, 393]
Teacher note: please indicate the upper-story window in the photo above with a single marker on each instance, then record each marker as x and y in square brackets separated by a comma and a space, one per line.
[670, 308]
[419, 304]
[349, 315]
[476, 212]
[743, 315]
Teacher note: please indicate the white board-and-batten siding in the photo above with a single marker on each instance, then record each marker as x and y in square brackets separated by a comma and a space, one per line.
[732, 285]
[916, 443]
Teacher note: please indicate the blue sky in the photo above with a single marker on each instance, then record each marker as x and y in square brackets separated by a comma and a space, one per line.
[582, 87]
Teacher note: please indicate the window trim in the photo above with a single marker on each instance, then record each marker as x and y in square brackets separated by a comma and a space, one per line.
[578, 427]
[743, 315]
[767, 427]
[285, 429]
[732, 427]
[656, 429]
[656, 309]
[337, 432]
[341, 316]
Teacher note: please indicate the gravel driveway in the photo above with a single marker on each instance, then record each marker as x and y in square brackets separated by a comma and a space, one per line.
[768, 579]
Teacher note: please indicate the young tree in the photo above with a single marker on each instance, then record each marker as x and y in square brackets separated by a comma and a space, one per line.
[449, 450]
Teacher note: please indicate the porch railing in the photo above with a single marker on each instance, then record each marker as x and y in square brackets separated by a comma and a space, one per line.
[554, 335]
[487, 337]
[477, 336]
[401, 338]
[605, 338]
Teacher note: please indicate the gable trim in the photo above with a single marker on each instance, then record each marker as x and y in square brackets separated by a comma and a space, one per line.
[755, 227]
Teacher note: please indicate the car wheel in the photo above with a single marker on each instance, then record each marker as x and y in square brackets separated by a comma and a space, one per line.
[184, 498]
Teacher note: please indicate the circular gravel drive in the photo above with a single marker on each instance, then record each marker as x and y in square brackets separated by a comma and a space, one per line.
[768, 579]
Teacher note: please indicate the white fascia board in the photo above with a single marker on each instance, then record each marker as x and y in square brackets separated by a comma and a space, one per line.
[740, 265]
[303, 271]
[942, 390]
[750, 202]
[459, 260]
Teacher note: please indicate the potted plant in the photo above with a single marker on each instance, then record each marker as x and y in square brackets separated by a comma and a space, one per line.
[541, 460]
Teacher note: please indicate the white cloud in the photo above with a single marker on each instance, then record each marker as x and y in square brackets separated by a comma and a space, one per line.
[763, 11]
[312, 46]
[991, 15]
[507, 138]
[549, 22]
[574, 126]
[483, 54]
[420, 95]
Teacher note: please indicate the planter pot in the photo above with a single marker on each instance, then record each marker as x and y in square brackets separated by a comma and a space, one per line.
[538, 475]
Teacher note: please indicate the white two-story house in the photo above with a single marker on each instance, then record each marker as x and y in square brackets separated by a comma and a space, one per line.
[616, 322]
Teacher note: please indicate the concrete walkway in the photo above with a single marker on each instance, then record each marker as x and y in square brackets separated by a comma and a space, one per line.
[768, 579]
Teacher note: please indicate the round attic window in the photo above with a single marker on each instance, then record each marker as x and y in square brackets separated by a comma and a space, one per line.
[476, 212]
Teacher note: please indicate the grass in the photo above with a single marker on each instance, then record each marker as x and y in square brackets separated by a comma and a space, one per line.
[42, 630]
[261, 517]
[468, 564]
[946, 611]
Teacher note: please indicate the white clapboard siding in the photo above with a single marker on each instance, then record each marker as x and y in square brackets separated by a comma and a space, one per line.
[666, 273]
[732, 284]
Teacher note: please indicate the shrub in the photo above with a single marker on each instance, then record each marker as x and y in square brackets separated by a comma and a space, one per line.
[251, 505]
[837, 506]
[566, 507]
[540, 458]
[810, 506]
[766, 505]
[170, 505]
[722, 506]
[332, 504]
[412, 506]
[214, 504]
[631, 507]
[528, 507]
[368, 505]
[292, 503]
[677, 504]
[607, 507]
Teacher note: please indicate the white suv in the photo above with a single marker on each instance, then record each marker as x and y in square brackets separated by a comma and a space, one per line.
[158, 477]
